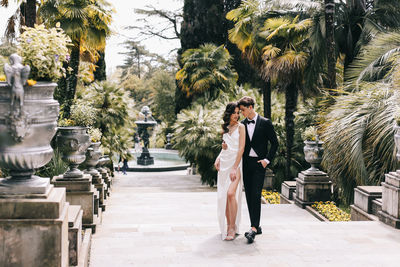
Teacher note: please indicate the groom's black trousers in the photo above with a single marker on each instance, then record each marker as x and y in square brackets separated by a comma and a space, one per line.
[253, 179]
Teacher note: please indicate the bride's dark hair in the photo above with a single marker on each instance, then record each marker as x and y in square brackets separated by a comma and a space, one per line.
[229, 110]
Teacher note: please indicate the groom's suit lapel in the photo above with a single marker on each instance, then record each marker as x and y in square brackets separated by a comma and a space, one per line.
[247, 133]
[256, 127]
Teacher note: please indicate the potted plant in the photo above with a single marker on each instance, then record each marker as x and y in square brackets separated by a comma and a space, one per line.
[73, 139]
[93, 153]
[313, 149]
[28, 120]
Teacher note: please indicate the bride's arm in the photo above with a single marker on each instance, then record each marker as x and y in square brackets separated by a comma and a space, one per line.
[242, 140]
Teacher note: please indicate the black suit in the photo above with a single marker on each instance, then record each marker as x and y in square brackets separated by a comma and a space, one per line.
[254, 172]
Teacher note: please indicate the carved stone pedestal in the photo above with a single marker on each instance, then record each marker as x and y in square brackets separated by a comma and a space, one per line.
[107, 181]
[390, 213]
[34, 229]
[287, 190]
[363, 208]
[98, 183]
[80, 191]
[78, 251]
[312, 186]
[269, 179]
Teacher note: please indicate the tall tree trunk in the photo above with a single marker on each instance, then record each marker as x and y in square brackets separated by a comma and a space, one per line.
[30, 13]
[100, 73]
[291, 94]
[330, 43]
[267, 99]
[72, 80]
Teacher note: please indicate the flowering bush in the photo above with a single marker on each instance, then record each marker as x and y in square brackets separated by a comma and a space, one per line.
[329, 210]
[310, 134]
[271, 197]
[44, 50]
[95, 134]
[66, 123]
[82, 114]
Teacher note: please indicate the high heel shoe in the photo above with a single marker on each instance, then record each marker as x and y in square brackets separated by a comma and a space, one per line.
[231, 234]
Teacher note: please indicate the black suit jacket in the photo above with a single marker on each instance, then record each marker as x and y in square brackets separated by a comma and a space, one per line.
[264, 133]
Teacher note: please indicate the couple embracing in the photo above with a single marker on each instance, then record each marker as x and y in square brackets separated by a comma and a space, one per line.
[243, 159]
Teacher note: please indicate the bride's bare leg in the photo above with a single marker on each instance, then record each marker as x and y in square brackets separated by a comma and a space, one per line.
[231, 204]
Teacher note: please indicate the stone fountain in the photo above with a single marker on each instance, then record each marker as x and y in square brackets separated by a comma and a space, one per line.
[145, 126]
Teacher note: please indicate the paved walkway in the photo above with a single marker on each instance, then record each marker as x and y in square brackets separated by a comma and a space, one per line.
[169, 219]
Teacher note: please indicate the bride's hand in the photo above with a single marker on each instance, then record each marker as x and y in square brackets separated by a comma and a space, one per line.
[216, 164]
[232, 175]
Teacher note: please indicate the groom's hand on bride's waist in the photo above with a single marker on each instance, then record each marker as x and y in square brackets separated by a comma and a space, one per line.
[224, 146]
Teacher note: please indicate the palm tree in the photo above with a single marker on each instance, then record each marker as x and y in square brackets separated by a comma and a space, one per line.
[245, 34]
[25, 14]
[86, 22]
[206, 71]
[197, 137]
[285, 59]
[359, 126]
[330, 43]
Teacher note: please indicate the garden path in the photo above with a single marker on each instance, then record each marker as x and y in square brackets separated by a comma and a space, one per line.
[169, 219]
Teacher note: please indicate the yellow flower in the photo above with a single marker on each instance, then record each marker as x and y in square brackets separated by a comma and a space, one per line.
[31, 82]
[2, 78]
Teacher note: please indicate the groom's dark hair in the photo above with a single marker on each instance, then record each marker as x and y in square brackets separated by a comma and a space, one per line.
[246, 101]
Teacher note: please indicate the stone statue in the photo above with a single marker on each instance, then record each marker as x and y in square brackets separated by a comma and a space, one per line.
[17, 75]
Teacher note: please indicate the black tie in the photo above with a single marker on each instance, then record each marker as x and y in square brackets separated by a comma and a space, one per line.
[250, 121]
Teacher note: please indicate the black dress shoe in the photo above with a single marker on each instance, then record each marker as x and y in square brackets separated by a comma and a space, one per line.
[250, 237]
[259, 231]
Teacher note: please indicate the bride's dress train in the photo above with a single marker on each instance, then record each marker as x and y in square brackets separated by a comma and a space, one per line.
[227, 159]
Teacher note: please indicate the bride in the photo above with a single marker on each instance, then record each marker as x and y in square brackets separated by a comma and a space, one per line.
[229, 167]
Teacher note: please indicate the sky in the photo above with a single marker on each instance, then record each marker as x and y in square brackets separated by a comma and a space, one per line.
[123, 17]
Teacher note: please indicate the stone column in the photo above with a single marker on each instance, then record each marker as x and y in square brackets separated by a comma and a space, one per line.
[390, 213]
[34, 228]
[80, 191]
[312, 186]
[366, 203]
[33, 214]
[269, 179]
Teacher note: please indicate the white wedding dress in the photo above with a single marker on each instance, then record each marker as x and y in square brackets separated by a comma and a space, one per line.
[227, 159]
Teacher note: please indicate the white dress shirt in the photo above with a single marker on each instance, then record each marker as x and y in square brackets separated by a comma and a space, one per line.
[250, 131]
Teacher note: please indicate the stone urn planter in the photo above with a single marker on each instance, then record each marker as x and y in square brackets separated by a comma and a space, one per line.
[73, 142]
[28, 122]
[93, 155]
[313, 152]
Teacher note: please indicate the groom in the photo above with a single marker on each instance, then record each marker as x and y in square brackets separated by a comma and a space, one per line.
[256, 157]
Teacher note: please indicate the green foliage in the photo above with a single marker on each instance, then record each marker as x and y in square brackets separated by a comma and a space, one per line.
[305, 117]
[206, 71]
[142, 94]
[95, 135]
[358, 135]
[198, 139]
[163, 84]
[203, 22]
[115, 114]
[83, 114]
[310, 134]
[55, 167]
[45, 51]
